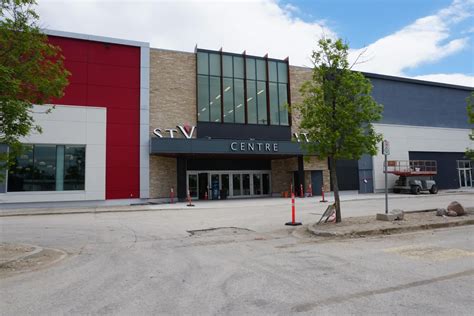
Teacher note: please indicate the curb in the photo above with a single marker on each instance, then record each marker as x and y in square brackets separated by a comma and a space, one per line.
[388, 231]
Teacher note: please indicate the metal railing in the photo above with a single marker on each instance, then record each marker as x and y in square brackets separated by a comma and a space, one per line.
[415, 167]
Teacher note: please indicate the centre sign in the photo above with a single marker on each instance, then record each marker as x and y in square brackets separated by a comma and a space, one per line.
[254, 147]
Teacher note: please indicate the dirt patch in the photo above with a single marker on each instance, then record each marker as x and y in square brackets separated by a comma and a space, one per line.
[9, 252]
[430, 252]
[219, 231]
[18, 258]
[368, 225]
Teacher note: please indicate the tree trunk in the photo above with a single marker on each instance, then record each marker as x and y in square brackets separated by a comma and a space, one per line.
[335, 188]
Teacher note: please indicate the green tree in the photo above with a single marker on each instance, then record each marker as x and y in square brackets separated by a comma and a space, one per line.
[337, 110]
[470, 117]
[31, 72]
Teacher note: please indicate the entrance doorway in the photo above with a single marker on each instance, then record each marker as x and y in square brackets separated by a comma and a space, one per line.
[203, 185]
[465, 173]
[316, 182]
[221, 185]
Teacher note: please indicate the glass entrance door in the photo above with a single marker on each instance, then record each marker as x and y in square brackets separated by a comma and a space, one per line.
[465, 178]
[465, 173]
[193, 185]
[215, 186]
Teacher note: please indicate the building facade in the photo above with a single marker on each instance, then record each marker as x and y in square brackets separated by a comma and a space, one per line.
[138, 123]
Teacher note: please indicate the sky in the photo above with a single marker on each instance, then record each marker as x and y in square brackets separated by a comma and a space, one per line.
[423, 39]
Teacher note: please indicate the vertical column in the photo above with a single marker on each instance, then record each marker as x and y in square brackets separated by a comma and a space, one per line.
[267, 88]
[60, 168]
[300, 174]
[181, 168]
[288, 89]
[144, 121]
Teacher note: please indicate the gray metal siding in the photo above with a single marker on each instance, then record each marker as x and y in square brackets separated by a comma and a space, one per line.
[409, 103]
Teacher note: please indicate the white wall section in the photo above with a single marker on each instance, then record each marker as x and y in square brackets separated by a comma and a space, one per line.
[404, 138]
[70, 125]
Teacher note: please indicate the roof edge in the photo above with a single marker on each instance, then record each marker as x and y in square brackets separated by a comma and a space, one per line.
[416, 81]
[95, 38]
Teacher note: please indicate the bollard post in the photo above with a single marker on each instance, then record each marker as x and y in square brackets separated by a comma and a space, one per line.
[301, 191]
[206, 196]
[172, 195]
[322, 193]
[189, 199]
[293, 211]
[310, 190]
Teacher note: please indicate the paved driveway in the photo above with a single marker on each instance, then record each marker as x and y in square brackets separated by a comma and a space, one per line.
[147, 263]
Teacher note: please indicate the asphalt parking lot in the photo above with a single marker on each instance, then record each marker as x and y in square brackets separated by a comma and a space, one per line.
[239, 259]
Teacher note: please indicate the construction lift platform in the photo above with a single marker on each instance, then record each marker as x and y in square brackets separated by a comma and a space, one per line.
[414, 175]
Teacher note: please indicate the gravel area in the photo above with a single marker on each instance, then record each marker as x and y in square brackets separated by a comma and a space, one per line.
[368, 225]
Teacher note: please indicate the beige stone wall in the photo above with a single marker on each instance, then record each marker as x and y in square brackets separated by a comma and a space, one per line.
[172, 102]
[282, 175]
[172, 89]
[298, 75]
[163, 176]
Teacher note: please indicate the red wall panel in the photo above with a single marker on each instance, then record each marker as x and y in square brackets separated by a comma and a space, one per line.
[108, 75]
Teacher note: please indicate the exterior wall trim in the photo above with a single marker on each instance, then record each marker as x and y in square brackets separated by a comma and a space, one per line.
[95, 38]
[421, 126]
[144, 122]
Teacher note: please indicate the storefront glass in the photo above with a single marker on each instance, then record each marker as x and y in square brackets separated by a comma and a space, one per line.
[48, 168]
[228, 184]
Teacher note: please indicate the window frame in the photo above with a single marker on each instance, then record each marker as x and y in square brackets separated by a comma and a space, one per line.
[246, 77]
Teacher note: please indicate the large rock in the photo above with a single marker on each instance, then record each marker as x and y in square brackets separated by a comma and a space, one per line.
[441, 212]
[456, 207]
[452, 213]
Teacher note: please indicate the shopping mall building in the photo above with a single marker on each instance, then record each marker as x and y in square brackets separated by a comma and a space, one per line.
[136, 123]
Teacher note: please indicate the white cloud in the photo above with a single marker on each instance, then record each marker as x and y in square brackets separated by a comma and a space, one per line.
[427, 40]
[459, 79]
[258, 26]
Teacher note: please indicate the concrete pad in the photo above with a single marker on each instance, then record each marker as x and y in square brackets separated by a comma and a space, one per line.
[386, 217]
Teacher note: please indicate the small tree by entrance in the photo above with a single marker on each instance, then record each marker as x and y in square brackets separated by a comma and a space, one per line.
[337, 110]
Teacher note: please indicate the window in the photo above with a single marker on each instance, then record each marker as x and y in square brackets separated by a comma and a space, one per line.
[251, 102]
[215, 99]
[278, 91]
[203, 98]
[262, 102]
[274, 113]
[74, 167]
[241, 89]
[239, 101]
[48, 168]
[228, 100]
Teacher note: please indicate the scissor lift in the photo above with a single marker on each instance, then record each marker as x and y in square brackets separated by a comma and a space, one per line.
[414, 175]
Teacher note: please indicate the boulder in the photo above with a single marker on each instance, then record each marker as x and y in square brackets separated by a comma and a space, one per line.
[452, 213]
[441, 211]
[456, 207]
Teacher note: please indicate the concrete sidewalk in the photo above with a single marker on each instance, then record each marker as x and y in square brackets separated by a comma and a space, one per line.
[364, 203]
